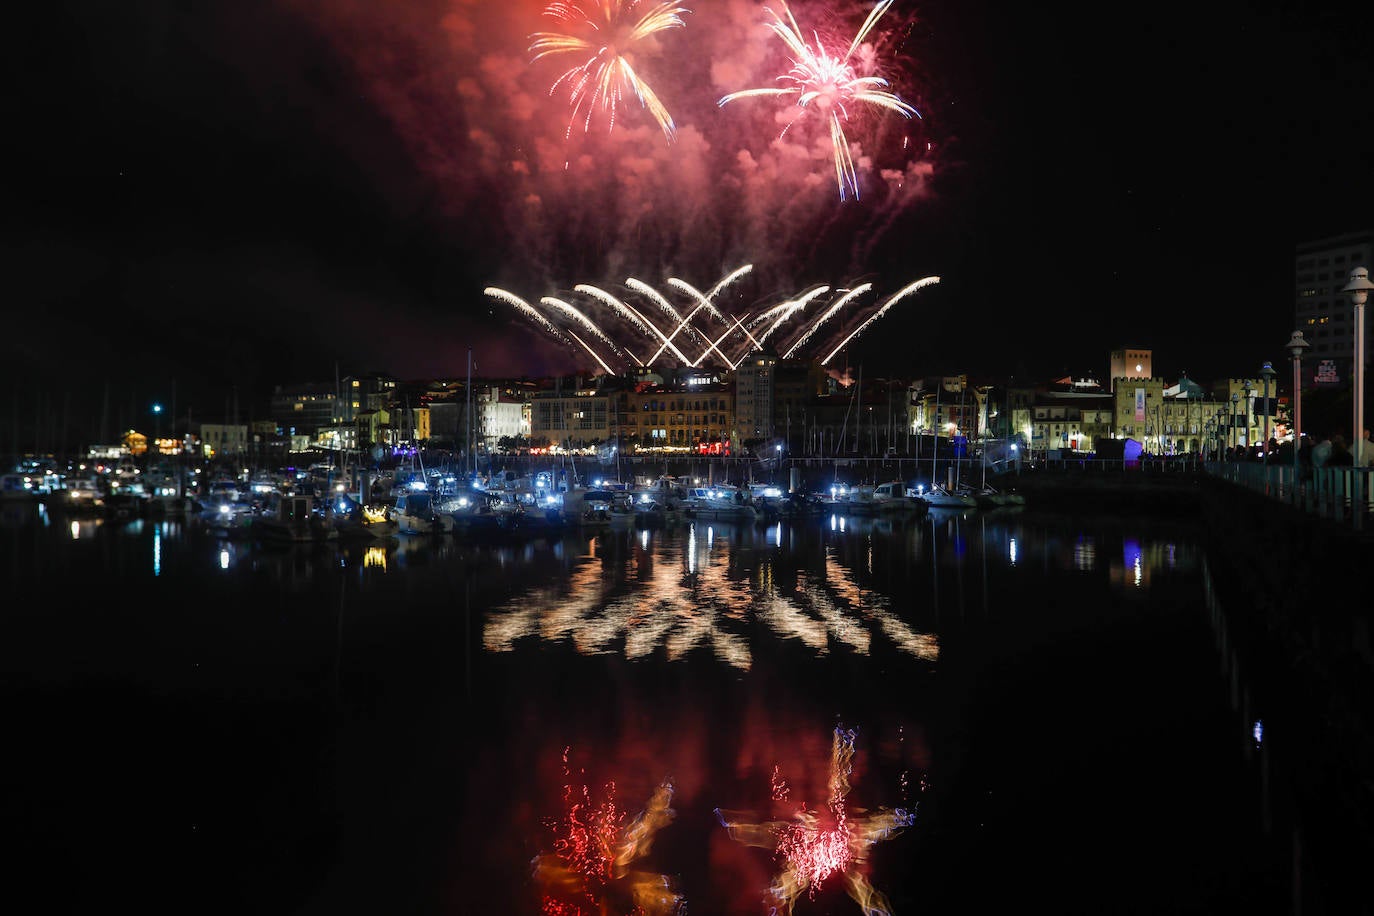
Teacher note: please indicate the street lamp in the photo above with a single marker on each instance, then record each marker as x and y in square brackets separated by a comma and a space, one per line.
[1296, 344]
[1267, 373]
[1358, 288]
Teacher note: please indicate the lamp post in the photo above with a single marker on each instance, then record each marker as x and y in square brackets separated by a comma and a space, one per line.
[1358, 288]
[1267, 373]
[1297, 344]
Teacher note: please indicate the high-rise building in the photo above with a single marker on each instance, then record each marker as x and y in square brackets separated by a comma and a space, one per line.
[754, 395]
[1323, 313]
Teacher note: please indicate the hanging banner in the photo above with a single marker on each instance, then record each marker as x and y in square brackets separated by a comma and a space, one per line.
[1140, 405]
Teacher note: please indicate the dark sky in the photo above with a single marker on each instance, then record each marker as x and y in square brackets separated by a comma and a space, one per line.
[207, 199]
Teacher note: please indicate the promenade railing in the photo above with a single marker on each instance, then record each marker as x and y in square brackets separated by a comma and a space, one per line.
[1340, 494]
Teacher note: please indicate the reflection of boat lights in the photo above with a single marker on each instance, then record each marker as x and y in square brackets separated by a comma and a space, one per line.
[224, 558]
[1258, 732]
[76, 530]
[1084, 555]
[1011, 551]
[375, 558]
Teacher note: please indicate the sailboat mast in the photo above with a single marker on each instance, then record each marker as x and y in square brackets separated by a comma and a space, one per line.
[468, 450]
[935, 428]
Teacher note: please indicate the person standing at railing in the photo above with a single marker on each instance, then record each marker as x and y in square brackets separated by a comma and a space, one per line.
[1340, 455]
[1366, 452]
[1321, 452]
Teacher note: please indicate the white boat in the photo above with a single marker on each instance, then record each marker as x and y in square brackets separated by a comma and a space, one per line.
[294, 519]
[354, 521]
[416, 512]
[720, 501]
[472, 510]
[665, 493]
[18, 487]
[166, 493]
[228, 518]
[937, 497]
[888, 498]
[892, 498]
[83, 493]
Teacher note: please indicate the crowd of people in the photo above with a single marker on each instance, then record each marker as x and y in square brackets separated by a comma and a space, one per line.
[1319, 451]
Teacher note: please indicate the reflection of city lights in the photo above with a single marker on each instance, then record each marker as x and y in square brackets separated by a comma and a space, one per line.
[1134, 559]
[813, 845]
[224, 558]
[1084, 555]
[1011, 551]
[1258, 732]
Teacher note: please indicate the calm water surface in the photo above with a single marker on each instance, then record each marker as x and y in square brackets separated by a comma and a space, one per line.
[1036, 708]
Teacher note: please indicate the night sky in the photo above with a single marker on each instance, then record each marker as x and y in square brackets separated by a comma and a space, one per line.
[208, 199]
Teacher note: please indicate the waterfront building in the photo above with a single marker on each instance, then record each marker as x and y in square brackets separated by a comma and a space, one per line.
[1070, 414]
[1322, 312]
[499, 415]
[224, 440]
[1243, 416]
[948, 405]
[304, 409]
[575, 417]
[698, 415]
[754, 396]
[366, 392]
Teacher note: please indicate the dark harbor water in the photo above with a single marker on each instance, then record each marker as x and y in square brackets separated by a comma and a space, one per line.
[1040, 716]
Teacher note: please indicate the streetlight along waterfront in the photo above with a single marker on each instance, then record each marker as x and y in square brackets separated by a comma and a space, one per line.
[1296, 345]
[1358, 288]
[1267, 373]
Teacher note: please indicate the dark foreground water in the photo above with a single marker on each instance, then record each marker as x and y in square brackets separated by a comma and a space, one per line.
[197, 726]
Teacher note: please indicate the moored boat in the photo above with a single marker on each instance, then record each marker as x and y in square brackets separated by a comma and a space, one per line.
[722, 501]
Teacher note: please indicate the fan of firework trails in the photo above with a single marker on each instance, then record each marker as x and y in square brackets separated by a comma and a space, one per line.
[640, 325]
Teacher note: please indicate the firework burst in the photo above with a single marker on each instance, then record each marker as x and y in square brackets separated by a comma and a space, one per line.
[604, 33]
[700, 332]
[829, 84]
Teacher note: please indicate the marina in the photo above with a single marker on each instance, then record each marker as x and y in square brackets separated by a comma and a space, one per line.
[347, 726]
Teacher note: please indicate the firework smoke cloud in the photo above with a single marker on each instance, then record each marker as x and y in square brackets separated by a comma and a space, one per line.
[672, 185]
